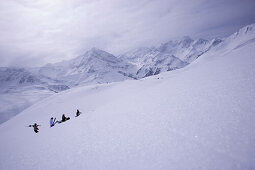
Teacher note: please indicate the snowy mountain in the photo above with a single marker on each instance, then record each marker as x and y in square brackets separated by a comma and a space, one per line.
[95, 66]
[168, 56]
[160, 63]
[197, 117]
[242, 37]
[188, 49]
[150, 61]
[139, 56]
[22, 87]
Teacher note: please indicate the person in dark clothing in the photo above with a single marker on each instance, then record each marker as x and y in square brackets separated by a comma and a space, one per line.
[78, 113]
[64, 118]
[35, 126]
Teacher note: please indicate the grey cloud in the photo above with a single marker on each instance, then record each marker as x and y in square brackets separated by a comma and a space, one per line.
[42, 31]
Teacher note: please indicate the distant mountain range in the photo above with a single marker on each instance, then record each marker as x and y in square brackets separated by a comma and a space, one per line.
[21, 87]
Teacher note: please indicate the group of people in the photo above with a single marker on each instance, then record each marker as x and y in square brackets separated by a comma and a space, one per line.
[53, 121]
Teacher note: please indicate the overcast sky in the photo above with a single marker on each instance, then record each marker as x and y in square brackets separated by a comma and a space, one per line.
[35, 32]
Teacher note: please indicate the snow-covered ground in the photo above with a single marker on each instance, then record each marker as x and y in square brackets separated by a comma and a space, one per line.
[198, 117]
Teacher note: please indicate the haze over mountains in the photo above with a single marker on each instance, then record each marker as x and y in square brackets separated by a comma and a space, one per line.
[21, 87]
[198, 117]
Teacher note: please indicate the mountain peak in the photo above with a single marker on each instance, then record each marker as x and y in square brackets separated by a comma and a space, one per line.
[246, 30]
[96, 52]
[186, 38]
[94, 49]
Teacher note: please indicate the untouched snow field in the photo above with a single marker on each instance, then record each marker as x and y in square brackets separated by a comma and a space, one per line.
[198, 117]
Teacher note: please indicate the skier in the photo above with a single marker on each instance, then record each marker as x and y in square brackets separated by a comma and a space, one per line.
[78, 113]
[64, 118]
[35, 126]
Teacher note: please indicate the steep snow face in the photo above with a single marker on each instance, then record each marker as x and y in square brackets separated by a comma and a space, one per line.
[198, 117]
[244, 32]
[242, 37]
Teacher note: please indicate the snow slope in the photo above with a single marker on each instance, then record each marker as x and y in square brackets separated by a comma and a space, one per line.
[198, 117]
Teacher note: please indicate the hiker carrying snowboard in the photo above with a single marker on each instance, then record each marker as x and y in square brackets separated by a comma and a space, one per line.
[64, 118]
